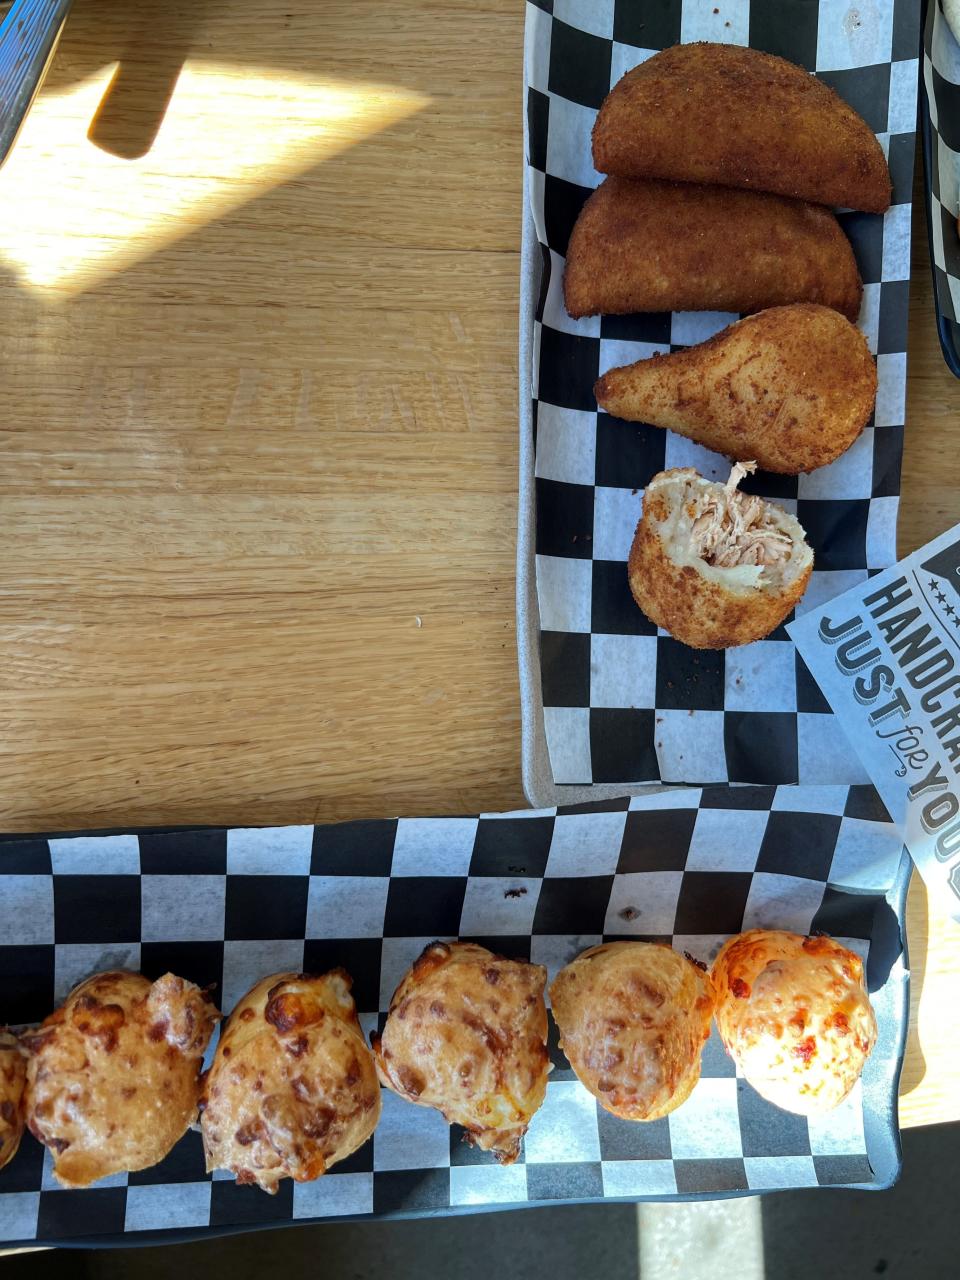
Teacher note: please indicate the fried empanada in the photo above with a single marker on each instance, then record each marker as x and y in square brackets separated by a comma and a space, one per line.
[740, 118]
[674, 246]
[791, 388]
[713, 566]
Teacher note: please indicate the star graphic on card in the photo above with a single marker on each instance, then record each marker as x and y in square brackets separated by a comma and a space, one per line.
[934, 584]
[941, 598]
[956, 621]
[949, 610]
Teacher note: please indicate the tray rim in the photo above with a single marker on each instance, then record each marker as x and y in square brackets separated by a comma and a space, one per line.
[951, 355]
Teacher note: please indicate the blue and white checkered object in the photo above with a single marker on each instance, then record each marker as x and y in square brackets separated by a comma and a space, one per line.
[940, 123]
[225, 907]
[622, 702]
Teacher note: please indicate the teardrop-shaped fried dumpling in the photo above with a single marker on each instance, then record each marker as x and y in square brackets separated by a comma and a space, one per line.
[675, 246]
[292, 1088]
[713, 566]
[742, 118]
[791, 388]
[467, 1034]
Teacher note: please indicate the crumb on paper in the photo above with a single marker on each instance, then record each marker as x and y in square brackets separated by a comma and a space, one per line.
[628, 913]
[418, 620]
[515, 893]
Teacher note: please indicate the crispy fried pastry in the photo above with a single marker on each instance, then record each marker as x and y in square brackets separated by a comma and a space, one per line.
[795, 1014]
[633, 1018]
[790, 388]
[467, 1034]
[741, 118]
[292, 1088]
[13, 1077]
[674, 246]
[713, 566]
[113, 1074]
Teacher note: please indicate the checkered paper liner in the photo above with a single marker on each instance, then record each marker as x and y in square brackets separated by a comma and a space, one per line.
[687, 867]
[608, 697]
[940, 125]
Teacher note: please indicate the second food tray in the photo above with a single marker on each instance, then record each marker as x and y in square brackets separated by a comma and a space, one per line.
[609, 700]
[686, 867]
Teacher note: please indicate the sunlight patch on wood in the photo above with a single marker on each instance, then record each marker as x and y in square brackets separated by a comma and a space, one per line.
[71, 213]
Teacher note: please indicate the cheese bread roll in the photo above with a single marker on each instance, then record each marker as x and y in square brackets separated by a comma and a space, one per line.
[292, 1088]
[633, 1018]
[113, 1074]
[794, 1013]
[467, 1034]
[13, 1078]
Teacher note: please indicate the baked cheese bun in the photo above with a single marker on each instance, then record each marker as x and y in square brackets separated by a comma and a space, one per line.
[113, 1074]
[292, 1088]
[794, 1013]
[633, 1018]
[467, 1034]
[13, 1078]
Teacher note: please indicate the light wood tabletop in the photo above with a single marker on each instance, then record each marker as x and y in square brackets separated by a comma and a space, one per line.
[259, 271]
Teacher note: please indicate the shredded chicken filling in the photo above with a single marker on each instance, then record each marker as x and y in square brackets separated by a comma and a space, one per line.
[732, 528]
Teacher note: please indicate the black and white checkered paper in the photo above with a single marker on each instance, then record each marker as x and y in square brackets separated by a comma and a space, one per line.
[940, 123]
[688, 867]
[624, 703]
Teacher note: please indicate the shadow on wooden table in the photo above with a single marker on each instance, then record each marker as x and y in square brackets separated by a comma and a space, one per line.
[136, 100]
[152, 44]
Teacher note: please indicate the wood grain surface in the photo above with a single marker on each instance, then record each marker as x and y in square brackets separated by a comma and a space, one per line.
[258, 449]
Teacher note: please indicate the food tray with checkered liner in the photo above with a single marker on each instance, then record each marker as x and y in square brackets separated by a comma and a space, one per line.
[687, 867]
[610, 702]
[940, 134]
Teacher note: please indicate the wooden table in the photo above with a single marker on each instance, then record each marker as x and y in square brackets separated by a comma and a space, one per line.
[258, 331]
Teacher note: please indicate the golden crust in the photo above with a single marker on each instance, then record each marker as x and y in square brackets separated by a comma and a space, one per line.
[696, 610]
[805, 142]
[292, 1088]
[633, 1018]
[467, 1034]
[790, 388]
[113, 1074]
[673, 246]
[13, 1078]
[794, 1013]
